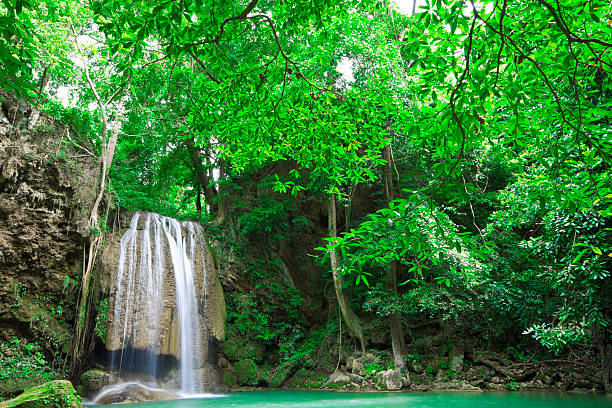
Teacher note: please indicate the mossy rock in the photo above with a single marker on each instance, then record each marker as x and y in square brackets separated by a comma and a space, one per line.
[53, 394]
[94, 380]
[246, 372]
[280, 376]
[236, 348]
[229, 380]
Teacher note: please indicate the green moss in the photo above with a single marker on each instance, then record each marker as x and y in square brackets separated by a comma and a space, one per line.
[229, 379]
[237, 348]
[246, 372]
[53, 394]
[93, 380]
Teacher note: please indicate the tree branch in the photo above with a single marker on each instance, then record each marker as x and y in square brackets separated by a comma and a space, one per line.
[563, 27]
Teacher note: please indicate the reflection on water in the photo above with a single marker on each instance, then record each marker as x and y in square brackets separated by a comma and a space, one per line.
[327, 399]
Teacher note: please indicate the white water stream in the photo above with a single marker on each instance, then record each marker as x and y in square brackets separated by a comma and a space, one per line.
[139, 282]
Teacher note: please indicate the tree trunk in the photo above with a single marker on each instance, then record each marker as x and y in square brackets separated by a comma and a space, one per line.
[44, 81]
[351, 319]
[198, 199]
[605, 356]
[210, 194]
[397, 335]
[222, 196]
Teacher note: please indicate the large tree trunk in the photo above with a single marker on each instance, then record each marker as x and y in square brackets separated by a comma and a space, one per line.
[397, 335]
[351, 319]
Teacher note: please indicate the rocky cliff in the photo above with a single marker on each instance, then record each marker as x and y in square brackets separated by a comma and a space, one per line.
[46, 188]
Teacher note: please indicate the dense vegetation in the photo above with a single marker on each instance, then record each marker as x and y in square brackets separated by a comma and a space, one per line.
[462, 165]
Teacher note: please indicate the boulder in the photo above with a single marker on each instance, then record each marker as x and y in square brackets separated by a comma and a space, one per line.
[339, 378]
[94, 380]
[129, 393]
[455, 357]
[393, 379]
[357, 365]
[53, 394]
[357, 379]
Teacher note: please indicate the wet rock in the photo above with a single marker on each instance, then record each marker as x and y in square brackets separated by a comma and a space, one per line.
[209, 378]
[546, 379]
[53, 394]
[94, 380]
[479, 383]
[130, 393]
[210, 300]
[223, 363]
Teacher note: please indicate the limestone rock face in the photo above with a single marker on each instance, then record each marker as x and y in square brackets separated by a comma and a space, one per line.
[45, 196]
[53, 394]
[210, 377]
[47, 187]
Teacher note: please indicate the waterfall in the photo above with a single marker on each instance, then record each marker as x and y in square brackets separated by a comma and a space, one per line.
[159, 299]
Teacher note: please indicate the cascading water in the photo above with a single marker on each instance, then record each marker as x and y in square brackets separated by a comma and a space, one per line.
[160, 299]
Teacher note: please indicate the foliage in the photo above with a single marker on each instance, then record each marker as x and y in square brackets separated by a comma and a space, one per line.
[101, 318]
[495, 114]
[24, 361]
[246, 372]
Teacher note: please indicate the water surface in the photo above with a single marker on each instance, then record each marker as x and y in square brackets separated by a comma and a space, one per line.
[327, 399]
